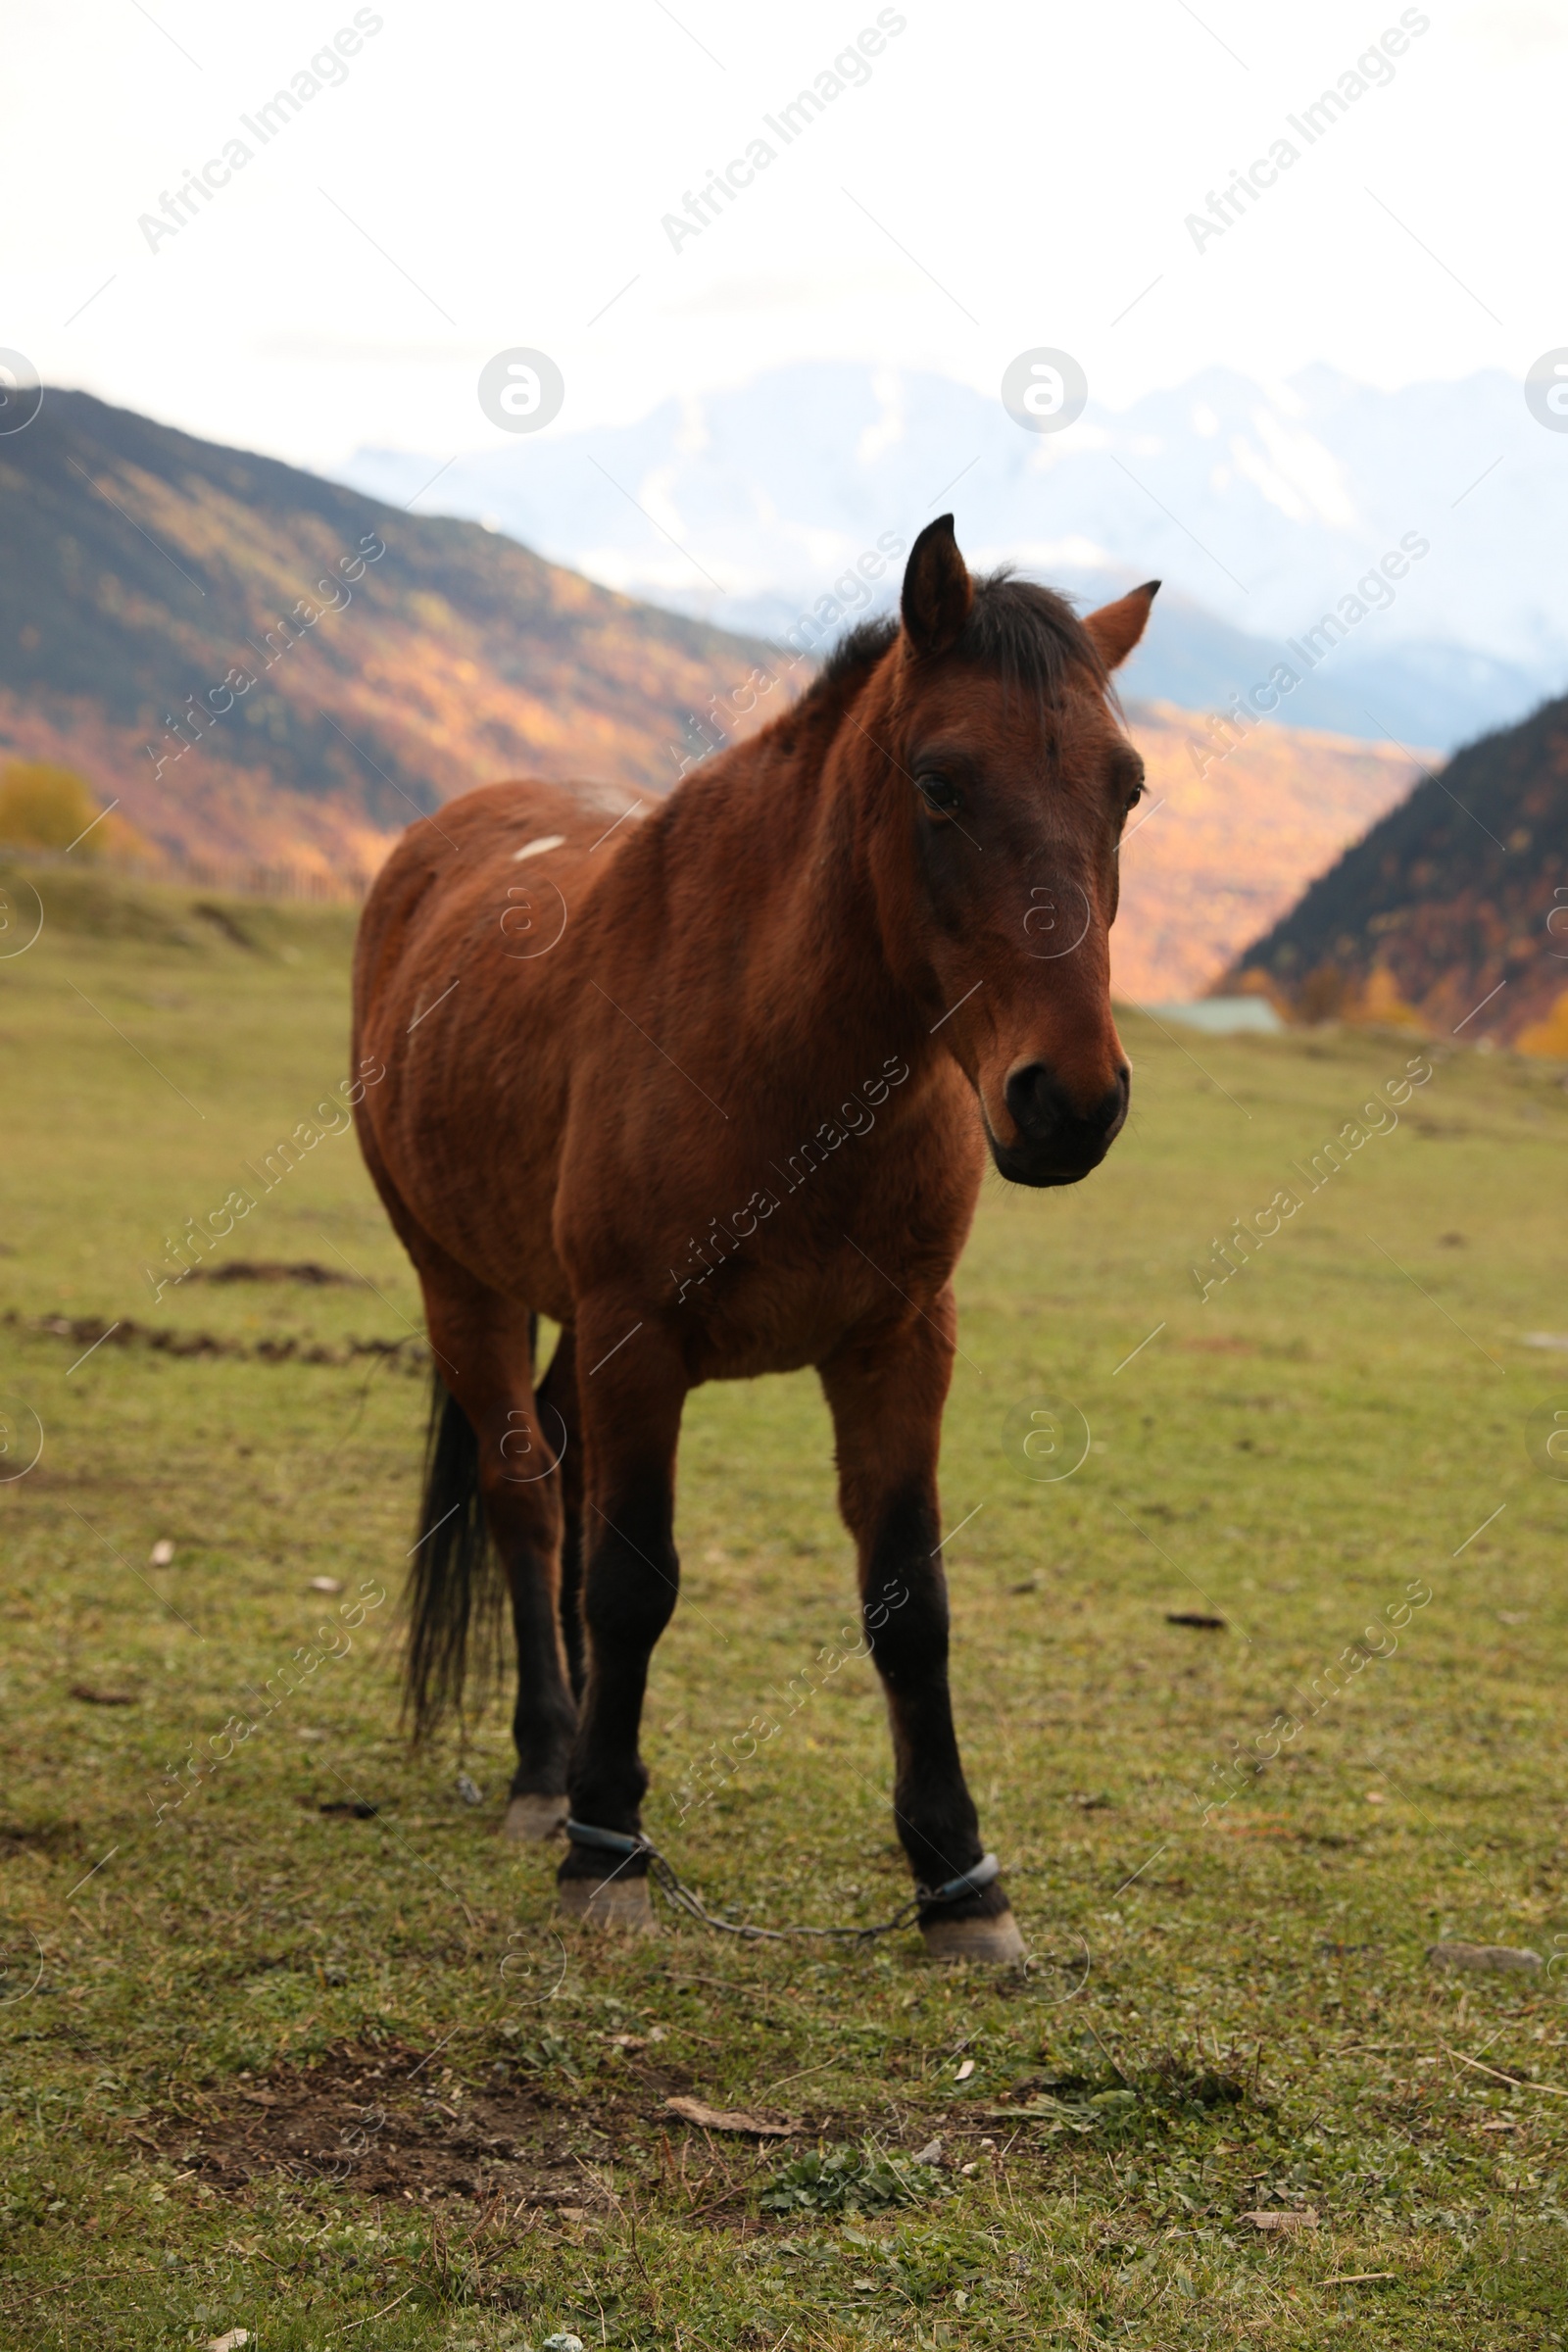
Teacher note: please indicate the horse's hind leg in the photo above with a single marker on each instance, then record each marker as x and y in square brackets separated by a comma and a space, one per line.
[633, 1387]
[484, 1353]
[526, 1522]
[561, 1414]
[886, 1396]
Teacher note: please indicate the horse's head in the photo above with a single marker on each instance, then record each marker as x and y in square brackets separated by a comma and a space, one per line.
[1012, 778]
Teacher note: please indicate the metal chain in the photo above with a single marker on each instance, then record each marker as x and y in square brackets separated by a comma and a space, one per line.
[684, 1898]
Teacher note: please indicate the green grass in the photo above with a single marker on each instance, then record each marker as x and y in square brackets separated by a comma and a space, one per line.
[209, 2113]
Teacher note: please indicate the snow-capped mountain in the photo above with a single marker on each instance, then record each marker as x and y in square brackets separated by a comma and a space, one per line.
[1263, 510]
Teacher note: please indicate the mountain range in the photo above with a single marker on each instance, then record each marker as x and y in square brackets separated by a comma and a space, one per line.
[1261, 508]
[262, 665]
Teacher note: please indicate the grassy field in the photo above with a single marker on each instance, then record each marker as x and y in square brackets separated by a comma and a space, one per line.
[272, 2059]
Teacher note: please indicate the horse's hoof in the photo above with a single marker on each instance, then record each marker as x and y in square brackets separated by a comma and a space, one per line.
[530, 1820]
[618, 1902]
[991, 1941]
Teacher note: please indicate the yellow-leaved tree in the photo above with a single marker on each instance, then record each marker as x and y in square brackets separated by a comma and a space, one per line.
[1550, 1036]
[43, 806]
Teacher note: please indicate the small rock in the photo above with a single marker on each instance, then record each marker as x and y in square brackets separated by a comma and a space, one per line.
[1305, 2219]
[230, 2342]
[1505, 1956]
[327, 1583]
[469, 1790]
[931, 2153]
[562, 2343]
[161, 1553]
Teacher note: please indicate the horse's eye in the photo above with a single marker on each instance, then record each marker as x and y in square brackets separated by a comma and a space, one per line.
[1133, 797]
[940, 796]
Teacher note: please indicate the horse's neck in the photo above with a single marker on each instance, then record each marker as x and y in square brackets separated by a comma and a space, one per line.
[818, 928]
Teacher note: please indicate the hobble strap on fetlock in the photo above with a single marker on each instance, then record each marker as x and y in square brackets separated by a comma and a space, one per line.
[968, 1881]
[684, 1898]
[608, 1841]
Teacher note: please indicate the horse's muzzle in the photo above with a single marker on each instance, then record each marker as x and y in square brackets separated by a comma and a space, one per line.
[1056, 1140]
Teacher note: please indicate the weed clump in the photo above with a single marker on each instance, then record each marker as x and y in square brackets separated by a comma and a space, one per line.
[847, 2179]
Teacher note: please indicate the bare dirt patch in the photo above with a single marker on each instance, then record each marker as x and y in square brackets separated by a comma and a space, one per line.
[91, 1331]
[271, 1269]
[396, 2122]
[56, 1838]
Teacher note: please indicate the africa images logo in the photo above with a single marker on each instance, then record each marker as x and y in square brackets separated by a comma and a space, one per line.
[1373, 69]
[326, 71]
[851, 70]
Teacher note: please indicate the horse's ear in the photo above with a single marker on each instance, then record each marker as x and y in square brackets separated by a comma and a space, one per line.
[1116, 628]
[937, 590]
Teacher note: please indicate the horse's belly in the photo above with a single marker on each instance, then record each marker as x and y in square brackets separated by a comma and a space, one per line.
[778, 1317]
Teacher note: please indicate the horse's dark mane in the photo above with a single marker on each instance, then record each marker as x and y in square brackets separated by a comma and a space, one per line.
[852, 659]
[1027, 636]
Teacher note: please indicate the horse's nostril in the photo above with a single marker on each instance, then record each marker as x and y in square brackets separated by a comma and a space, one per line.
[1036, 1102]
[1112, 1107]
[1043, 1111]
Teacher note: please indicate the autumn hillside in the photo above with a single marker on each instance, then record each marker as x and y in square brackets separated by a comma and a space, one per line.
[165, 629]
[1221, 847]
[1457, 903]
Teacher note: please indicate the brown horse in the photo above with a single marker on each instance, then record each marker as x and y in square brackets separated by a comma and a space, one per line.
[714, 1091]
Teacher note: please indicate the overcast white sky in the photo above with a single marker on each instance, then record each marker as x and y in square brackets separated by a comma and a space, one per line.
[1012, 173]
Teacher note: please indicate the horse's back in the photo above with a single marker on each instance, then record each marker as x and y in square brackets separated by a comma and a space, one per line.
[444, 856]
[458, 998]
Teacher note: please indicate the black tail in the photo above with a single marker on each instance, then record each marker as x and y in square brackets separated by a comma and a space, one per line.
[455, 1586]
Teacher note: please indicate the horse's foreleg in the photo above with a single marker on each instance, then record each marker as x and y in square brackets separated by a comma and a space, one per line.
[631, 1387]
[886, 1396]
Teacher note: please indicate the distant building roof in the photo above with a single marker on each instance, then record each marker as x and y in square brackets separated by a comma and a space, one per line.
[1223, 1016]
